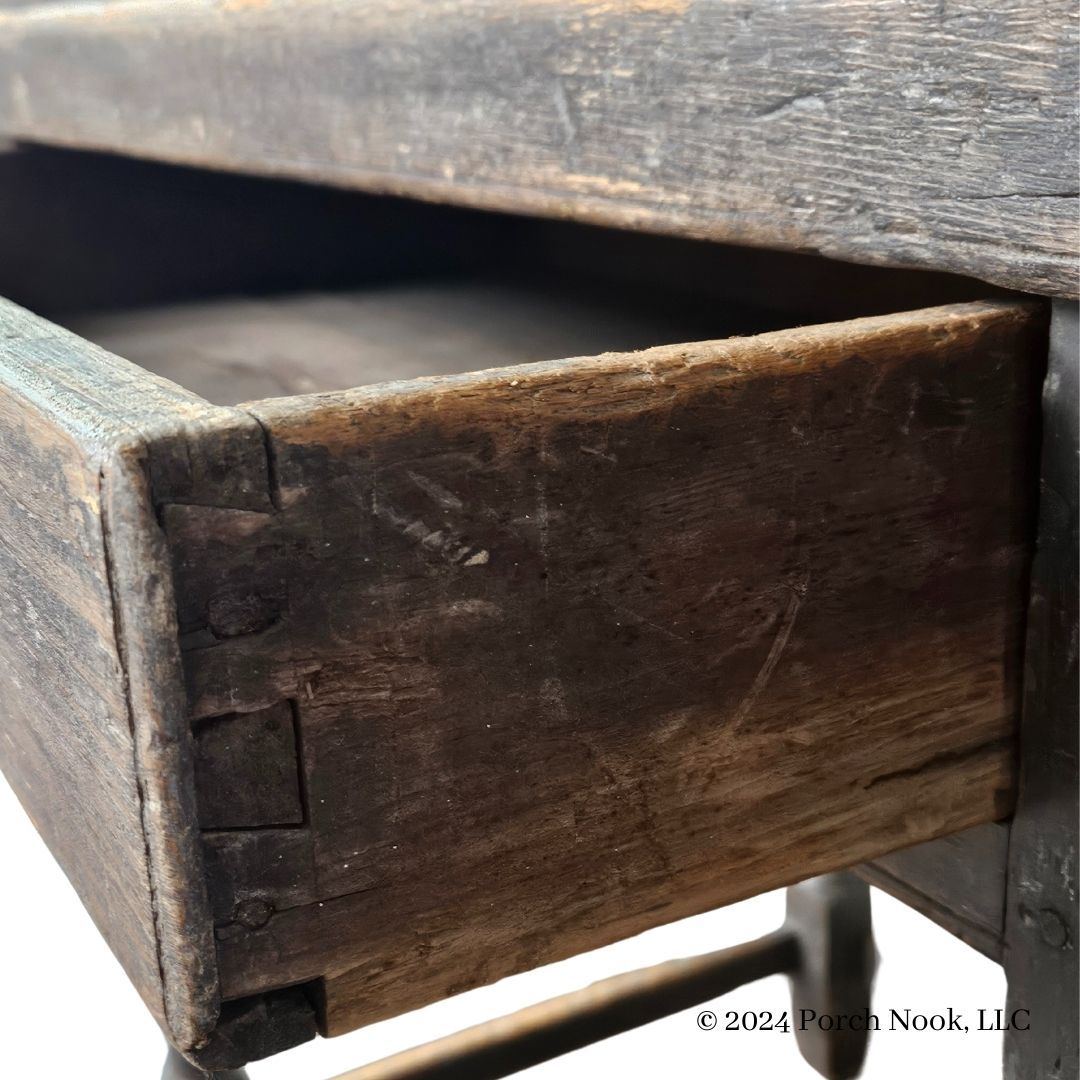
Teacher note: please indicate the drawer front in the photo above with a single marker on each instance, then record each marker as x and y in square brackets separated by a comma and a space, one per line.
[564, 651]
[392, 692]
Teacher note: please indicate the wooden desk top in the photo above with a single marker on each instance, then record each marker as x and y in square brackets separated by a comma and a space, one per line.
[898, 133]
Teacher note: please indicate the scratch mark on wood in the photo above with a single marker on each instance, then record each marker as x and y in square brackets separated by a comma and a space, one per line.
[668, 633]
[783, 634]
[562, 110]
[446, 499]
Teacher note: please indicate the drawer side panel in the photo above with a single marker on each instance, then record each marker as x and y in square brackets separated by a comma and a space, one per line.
[68, 747]
[94, 736]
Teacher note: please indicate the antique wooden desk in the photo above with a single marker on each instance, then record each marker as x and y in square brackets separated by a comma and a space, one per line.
[382, 686]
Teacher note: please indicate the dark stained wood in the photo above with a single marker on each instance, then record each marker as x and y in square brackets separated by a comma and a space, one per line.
[250, 873]
[1042, 935]
[232, 349]
[508, 1045]
[901, 133]
[246, 770]
[259, 1027]
[95, 731]
[476, 672]
[67, 747]
[958, 881]
[581, 647]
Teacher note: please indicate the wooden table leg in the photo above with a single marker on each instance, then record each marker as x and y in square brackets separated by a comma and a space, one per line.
[825, 946]
[179, 1068]
[1041, 928]
[830, 917]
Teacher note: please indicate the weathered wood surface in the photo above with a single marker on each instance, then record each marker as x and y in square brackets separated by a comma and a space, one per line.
[1042, 921]
[897, 133]
[95, 734]
[958, 881]
[67, 746]
[483, 601]
[582, 647]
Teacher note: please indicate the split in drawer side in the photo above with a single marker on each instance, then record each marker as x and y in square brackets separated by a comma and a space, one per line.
[578, 648]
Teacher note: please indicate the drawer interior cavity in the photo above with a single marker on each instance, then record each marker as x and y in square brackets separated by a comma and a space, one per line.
[241, 288]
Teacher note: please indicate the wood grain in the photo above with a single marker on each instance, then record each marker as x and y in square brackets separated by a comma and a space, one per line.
[88, 234]
[560, 651]
[897, 133]
[95, 735]
[246, 770]
[68, 750]
[581, 647]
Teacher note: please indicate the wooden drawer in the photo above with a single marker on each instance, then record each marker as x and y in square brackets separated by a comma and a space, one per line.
[331, 705]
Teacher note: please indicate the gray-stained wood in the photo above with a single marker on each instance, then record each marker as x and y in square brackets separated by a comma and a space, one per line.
[958, 881]
[904, 132]
[95, 734]
[1042, 920]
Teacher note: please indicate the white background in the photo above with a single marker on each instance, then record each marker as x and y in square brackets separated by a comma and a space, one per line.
[68, 1010]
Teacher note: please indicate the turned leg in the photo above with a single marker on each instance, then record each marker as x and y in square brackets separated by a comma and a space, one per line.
[179, 1068]
[830, 917]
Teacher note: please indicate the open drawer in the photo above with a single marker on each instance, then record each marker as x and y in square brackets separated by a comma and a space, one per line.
[332, 705]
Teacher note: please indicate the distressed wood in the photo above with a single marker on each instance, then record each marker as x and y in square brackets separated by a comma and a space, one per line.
[258, 1027]
[896, 133]
[68, 752]
[250, 873]
[577, 291]
[508, 1045]
[958, 881]
[247, 772]
[555, 635]
[95, 733]
[486, 600]
[1042, 936]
